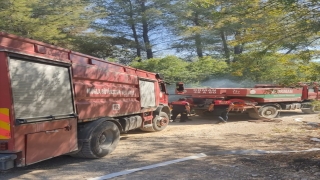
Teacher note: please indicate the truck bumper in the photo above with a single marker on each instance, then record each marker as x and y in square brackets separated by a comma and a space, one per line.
[7, 161]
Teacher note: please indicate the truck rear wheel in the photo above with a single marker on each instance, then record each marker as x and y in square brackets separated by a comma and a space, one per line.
[103, 140]
[159, 123]
[264, 112]
[268, 112]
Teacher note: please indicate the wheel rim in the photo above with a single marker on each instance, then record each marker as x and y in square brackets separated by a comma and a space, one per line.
[162, 121]
[106, 139]
[269, 112]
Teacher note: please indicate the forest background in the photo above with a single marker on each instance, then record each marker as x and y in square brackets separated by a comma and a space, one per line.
[193, 41]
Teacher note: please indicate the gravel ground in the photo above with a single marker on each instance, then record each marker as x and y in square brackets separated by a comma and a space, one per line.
[290, 132]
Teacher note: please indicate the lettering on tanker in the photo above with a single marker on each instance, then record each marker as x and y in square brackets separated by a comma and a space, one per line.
[205, 91]
[278, 91]
[116, 107]
[236, 91]
[285, 91]
[109, 91]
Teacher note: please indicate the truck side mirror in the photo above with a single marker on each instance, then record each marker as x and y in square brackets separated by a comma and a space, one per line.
[179, 87]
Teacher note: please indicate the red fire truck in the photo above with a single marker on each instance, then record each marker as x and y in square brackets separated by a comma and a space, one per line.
[54, 101]
[261, 101]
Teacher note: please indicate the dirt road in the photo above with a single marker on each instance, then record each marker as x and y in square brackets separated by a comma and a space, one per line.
[218, 141]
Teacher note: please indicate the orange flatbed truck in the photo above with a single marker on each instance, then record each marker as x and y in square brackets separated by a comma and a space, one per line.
[55, 101]
[261, 101]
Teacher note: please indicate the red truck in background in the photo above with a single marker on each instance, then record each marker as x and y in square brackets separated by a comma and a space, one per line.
[54, 101]
[262, 101]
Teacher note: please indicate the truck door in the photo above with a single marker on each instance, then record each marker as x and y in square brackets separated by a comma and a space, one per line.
[43, 108]
[163, 96]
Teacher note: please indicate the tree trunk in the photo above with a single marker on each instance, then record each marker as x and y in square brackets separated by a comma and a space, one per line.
[134, 32]
[199, 45]
[225, 47]
[198, 40]
[238, 49]
[145, 30]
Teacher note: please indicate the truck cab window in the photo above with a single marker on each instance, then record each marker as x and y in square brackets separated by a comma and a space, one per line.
[162, 87]
[311, 90]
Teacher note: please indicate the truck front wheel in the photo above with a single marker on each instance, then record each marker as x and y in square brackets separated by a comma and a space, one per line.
[103, 140]
[159, 123]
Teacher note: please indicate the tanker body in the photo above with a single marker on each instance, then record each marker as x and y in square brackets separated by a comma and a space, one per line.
[54, 101]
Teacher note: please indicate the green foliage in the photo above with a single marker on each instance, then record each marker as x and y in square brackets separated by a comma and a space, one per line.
[311, 71]
[204, 68]
[316, 104]
[175, 69]
[275, 68]
[51, 21]
[94, 45]
[273, 26]
[103, 46]
[189, 21]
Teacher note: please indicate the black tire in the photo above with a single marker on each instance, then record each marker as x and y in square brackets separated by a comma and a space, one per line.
[159, 123]
[103, 140]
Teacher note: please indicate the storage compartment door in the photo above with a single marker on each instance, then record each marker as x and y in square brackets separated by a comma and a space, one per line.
[40, 91]
[51, 143]
[147, 93]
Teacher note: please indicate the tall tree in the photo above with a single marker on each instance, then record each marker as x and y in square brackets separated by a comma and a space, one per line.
[187, 19]
[134, 29]
[145, 28]
[52, 21]
[227, 19]
[207, 27]
[280, 38]
[284, 25]
[110, 48]
[136, 20]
